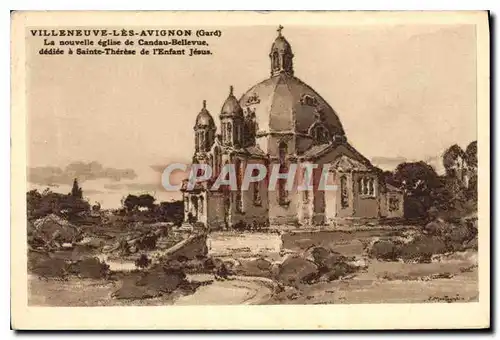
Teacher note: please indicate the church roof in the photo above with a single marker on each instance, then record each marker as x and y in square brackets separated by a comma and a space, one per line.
[347, 164]
[281, 45]
[316, 150]
[231, 106]
[204, 118]
[285, 103]
[255, 150]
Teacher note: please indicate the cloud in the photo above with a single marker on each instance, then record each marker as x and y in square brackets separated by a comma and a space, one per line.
[83, 171]
[177, 175]
[135, 186]
[388, 161]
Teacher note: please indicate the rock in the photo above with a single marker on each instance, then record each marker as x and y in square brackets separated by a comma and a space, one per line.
[294, 270]
[90, 267]
[472, 244]
[332, 260]
[193, 247]
[49, 267]
[304, 243]
[317, 254]
[438, 227]
[337, 271]
[154, 282]
[256, 267]
[422, 249]
[359, 263]
[385, 250]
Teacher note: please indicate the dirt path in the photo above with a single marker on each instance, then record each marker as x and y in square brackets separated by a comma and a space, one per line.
[236, 291]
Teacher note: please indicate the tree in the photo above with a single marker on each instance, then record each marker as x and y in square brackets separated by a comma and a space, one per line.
[452, 159]
[471, 158]
[471, 154]
[419, 182]
[131, 202]
[48, 202]
[147, 201]
[76, 191]
[142, 262]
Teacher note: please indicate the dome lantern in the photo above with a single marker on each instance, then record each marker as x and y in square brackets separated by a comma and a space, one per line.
[281, 55]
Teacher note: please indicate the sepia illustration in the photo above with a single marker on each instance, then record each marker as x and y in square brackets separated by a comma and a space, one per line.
[275, 164]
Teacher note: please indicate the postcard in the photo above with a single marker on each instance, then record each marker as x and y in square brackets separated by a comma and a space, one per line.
[250, 170]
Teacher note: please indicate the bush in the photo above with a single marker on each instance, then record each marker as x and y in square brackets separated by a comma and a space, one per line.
[49, 267]
[422, 248]
[143, 261]
[90, 267]
[385, 250]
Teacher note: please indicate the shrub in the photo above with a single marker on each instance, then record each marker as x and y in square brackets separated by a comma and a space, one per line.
[91, 267]
[49, 267]
[422, 248]
[155, 282]
[385, 250]
[143, 261]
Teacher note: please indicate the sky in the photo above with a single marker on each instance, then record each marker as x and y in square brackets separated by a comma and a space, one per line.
[402, 93]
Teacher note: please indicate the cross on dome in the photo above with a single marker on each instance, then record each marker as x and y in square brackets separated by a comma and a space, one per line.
[280, 28]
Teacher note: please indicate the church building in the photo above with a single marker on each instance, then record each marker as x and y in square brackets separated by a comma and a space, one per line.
[283, 121]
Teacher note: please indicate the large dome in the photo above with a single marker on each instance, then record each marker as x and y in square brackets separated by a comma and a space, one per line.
[285, 103]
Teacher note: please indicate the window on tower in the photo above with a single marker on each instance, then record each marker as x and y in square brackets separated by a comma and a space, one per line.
[276, 61]
[229, 133]
[282, 191]
[257, 199]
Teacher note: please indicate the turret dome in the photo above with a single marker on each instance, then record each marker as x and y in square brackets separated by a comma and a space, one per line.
[231, 106]
[204, 118]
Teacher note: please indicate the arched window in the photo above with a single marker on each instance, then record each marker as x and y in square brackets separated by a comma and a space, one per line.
[239, 201]
[282, 192]
[276, 60]
[366, 186]
[217, 162]
[229, 133]
[223, 127]
[319, 133]
[257, 200]
[201, 205]
[371, 187]
[306, 196]
[197, 141]
[202, 141]
[194, 202]
[344, 193]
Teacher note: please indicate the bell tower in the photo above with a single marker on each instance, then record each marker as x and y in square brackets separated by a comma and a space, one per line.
[232, 121]
[204, 130]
